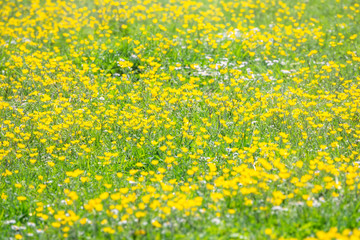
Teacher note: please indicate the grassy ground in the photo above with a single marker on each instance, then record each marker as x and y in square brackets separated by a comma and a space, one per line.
[156, 119]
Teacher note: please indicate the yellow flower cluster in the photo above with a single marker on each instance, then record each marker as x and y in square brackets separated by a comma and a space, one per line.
[179, 119]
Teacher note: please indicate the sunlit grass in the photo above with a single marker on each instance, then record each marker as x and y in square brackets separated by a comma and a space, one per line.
[179, 119]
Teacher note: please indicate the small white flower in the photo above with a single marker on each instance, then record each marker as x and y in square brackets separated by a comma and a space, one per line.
[12, 221]
[15, 228]
[278, 208]
[31, 224]
[285, 71]
[115, 211]
[216, 221]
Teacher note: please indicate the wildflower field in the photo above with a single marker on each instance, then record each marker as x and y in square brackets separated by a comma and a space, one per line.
[179, 119]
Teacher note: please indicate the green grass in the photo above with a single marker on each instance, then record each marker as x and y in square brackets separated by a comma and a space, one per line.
[179, 119]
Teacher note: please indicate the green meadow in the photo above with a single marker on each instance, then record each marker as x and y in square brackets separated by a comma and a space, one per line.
[180, 119]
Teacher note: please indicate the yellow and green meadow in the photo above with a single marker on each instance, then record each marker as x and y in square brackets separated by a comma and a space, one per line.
[179, 119]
